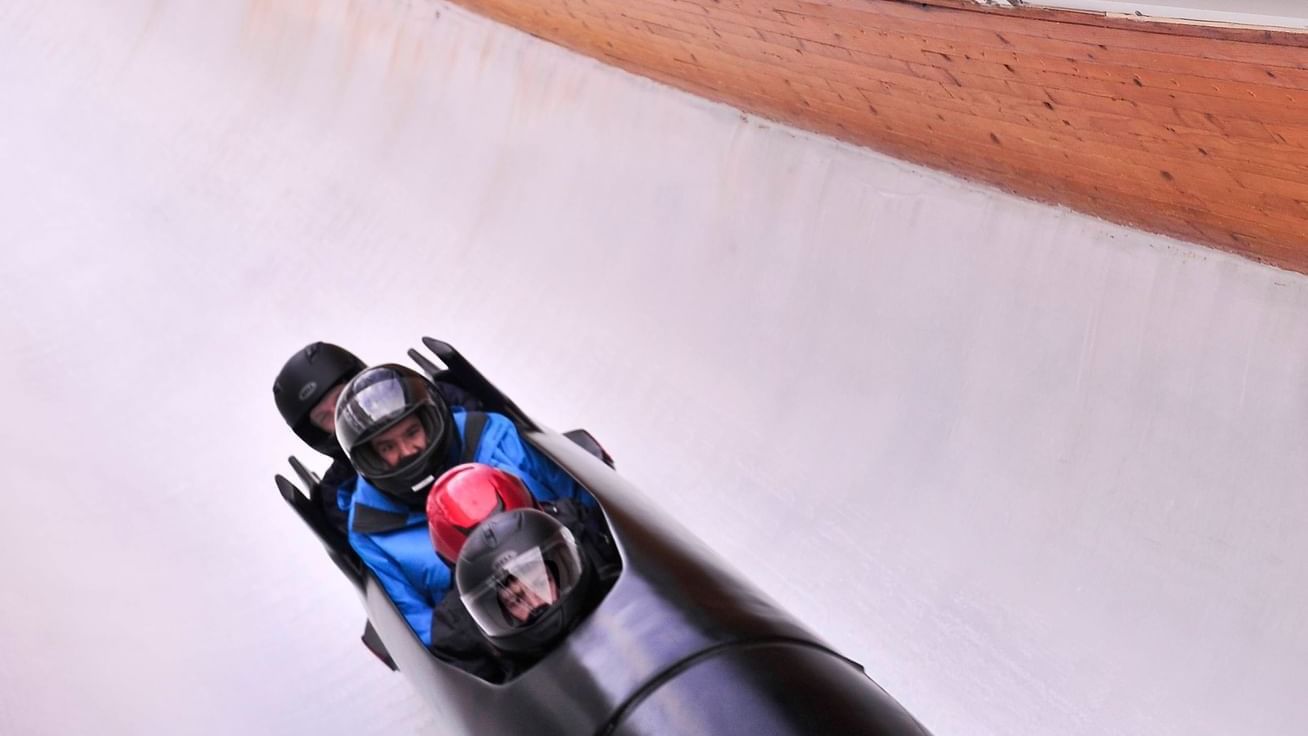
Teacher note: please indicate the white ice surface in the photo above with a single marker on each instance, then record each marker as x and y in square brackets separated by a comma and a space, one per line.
[1275, 13]
[1041, 474]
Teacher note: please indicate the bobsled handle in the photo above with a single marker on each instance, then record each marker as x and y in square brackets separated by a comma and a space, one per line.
[467, 375]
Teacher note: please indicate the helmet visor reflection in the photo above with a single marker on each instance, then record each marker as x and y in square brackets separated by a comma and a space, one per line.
[376, 403]
[525, 586]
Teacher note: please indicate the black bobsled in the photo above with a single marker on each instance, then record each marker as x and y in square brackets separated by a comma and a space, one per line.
[681, 646]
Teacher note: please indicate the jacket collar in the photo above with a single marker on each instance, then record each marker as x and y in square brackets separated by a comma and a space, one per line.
[377, 513]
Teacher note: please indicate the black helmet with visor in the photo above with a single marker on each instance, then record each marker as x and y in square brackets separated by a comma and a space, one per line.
[308, 377]
[523, 579]
[380, 398]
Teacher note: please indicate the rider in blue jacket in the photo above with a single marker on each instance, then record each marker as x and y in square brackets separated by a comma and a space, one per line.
[400, 435]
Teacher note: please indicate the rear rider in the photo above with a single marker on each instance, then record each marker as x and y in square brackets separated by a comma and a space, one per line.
[305, 391]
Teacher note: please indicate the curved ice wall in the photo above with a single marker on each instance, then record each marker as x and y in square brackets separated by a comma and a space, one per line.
[1039, 473]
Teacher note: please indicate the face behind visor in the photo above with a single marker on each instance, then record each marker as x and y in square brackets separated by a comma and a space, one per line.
[306, 378]
[520, 575]
[379, 399]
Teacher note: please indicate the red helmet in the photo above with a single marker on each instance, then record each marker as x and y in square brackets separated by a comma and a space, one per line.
[466, 495]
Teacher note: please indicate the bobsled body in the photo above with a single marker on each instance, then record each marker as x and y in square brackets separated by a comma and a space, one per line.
[680, 645]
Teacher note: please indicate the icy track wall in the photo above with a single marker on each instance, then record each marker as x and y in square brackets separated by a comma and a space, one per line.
[1042, 475]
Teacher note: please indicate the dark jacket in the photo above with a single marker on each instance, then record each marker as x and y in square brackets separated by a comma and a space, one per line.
[456, 397]
[335, 491]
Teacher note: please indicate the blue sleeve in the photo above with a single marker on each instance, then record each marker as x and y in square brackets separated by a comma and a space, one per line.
[345, 494]
[415, 607]
[545, 480]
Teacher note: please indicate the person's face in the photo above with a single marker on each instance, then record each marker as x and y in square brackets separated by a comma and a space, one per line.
[323, 414]
[520, 600]
[406, 439]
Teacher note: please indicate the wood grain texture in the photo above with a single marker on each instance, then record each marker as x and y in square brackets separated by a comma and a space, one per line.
[1196, 131]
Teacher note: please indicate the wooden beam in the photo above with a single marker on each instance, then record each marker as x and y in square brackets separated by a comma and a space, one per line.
[1195, 131]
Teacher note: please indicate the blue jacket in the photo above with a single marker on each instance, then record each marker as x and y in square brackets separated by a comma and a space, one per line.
[392, 538]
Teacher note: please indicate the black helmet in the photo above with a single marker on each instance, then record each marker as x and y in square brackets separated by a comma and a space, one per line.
[304, 381]
[378, 399]
[523, 579]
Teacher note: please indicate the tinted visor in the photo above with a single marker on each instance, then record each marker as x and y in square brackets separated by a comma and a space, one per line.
[381, 403]
[525, 586]
[375, 402]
